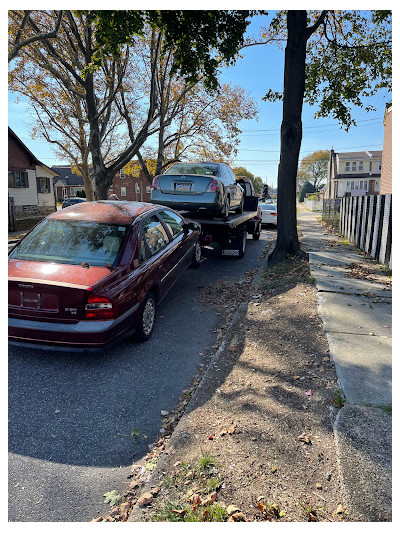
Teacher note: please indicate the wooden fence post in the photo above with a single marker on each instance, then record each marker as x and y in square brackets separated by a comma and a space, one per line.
[386, 235]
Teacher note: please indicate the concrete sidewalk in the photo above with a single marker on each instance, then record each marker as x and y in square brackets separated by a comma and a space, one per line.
[356, 311]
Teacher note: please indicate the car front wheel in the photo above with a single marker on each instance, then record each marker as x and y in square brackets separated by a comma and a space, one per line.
[147, 318]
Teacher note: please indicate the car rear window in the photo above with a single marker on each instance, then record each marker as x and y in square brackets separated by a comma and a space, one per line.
[203, 169]
[268, 207]
[73, 242]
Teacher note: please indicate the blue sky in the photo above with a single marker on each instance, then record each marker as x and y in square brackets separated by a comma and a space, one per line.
[260, 69]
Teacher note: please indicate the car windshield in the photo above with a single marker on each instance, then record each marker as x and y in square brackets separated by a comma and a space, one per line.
[204, 169]
[268, 207]
[73, 242]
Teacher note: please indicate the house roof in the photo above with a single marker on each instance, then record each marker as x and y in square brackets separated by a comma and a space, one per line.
[33, 158]
[66, 177]
[370, 154]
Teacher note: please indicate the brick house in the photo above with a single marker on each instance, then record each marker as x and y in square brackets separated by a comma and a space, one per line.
[126, 187]
[30, 182]
[354, 173]
[67, 184]
[386, 176]
[134, 189]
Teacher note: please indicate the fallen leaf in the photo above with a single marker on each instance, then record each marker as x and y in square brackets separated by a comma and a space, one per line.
[232, 509]
[304, 437]
[232, 348]
[179, 512]
[145, 499]
[124, 510]
[112, 497]
[237, 517]
[231, 430]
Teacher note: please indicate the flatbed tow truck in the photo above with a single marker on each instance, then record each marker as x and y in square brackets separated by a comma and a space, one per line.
[231, 232]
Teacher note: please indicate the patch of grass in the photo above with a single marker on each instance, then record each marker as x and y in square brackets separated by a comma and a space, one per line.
[339, 399]
[206, 462]
[291, 270]
[176, 512]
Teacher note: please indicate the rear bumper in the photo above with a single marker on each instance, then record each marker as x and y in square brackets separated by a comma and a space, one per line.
[84, 336]
[208, 201]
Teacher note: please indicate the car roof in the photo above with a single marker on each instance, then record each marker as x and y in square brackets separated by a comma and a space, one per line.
[108, 211]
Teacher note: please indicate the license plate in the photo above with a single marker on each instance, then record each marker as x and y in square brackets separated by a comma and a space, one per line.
[183, 186]
[230, 252]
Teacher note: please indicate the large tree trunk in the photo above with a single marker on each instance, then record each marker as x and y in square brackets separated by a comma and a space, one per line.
[291, 134]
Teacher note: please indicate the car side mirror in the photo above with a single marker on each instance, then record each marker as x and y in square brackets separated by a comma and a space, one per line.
[187, 226]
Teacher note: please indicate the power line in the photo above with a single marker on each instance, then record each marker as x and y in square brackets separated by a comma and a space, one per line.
[314, 127]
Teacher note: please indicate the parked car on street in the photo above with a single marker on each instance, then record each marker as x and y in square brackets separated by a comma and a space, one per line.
[199, 186]
[94, 273]
[269, 214]
[72, 201]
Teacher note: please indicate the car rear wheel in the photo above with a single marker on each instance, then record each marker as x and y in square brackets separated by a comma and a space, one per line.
[239, 210]
[147, 318]
[226, 208]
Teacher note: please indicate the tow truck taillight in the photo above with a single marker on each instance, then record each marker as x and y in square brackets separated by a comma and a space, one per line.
[98, 308]
[155, 183]
[213, 186]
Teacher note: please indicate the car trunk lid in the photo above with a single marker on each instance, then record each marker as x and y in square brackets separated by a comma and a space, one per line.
[50, 291]
[183, 184]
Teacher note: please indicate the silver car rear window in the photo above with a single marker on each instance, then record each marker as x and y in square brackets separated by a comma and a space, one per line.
[203, 169]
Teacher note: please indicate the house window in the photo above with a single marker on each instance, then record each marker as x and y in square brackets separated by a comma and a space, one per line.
[347, 169]
[18, 179]
[353, 166]
[347, 186]
[356, 184]
[43, 185]
[365, 185]
[122, 173]
[137, 188]
[352, 185]
[148, 189]
[123, 191]
[360, 165]
[380, 165]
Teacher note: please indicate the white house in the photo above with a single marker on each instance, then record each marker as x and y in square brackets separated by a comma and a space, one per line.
[354, 173]
[30, 182]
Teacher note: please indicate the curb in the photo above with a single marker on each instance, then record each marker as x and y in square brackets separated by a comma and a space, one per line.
[137, 511]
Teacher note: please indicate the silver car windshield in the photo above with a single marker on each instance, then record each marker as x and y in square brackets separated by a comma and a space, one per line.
[203, 169]
[73, 243]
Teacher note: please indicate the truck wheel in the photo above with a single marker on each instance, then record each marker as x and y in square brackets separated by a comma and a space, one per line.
[196, 259]
[242, 245]
[257, 233]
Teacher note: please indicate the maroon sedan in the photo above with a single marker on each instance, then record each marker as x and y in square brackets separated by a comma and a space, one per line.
[94, 273]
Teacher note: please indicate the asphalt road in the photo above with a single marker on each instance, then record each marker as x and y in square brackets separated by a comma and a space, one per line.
[67, 412]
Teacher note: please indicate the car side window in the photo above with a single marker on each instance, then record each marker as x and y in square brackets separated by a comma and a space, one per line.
[173, 222]
[155, 236]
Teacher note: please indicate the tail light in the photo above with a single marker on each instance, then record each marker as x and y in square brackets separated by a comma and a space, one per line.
[213, 186]
[155, 183]
[273, 213]
[98, 308]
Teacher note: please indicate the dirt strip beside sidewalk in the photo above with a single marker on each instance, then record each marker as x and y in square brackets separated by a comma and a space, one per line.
[262, 416]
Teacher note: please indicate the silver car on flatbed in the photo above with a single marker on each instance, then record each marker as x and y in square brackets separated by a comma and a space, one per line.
[195, 186]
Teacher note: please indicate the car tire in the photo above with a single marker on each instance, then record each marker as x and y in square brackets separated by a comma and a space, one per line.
[226, 208]
[147, 318]
[196, 259]
[239, 210]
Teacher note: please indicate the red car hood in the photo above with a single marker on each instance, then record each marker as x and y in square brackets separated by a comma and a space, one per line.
[55, 274]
